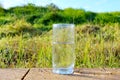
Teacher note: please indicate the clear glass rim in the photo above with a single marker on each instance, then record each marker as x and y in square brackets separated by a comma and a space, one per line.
[63, 25]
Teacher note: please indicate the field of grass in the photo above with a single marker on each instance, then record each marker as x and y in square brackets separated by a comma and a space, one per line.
[24, 45]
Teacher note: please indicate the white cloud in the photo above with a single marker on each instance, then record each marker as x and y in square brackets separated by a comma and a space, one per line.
[87, 7]
[12, 3]
[100, 2]
[42, 2]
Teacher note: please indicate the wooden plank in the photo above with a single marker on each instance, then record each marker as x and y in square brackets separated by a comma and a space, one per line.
[101, 73]
[12, 74]
[79, 74]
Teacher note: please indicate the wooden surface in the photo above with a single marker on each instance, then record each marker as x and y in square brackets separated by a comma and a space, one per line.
[46, 74]
[12, 74]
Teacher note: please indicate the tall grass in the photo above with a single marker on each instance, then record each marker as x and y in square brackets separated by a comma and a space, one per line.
[96, 46]
[20, 52]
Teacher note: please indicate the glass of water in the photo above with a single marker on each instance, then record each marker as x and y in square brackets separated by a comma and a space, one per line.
[63, 55]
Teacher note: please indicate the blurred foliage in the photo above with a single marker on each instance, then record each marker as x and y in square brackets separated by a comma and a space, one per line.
[25, 36]
[96, 46]
[52, 14]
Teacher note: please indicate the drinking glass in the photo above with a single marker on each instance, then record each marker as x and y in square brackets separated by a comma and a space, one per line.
[63, 55]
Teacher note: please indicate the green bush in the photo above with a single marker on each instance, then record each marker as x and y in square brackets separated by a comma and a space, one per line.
[42, 27]
[21, 26]
[32, 18]
[2, 11]
[51, 18]
[4, 21]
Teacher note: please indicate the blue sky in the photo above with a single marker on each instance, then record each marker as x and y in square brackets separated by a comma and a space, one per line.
[89, 5]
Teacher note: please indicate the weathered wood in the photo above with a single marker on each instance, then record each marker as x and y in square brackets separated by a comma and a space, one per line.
[12, 74]
[79, 74]
[46, 74]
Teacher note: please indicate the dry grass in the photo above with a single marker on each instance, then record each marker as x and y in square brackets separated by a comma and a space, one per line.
[95, 47]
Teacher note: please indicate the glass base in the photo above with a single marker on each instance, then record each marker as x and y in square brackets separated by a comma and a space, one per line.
[63, 70]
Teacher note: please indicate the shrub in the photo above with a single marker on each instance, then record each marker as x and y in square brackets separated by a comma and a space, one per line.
[4, 21]
[42, 27]
[50, 18]
[90, 29]
[21, 26]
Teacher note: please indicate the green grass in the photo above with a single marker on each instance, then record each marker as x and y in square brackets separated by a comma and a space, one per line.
[96, 46]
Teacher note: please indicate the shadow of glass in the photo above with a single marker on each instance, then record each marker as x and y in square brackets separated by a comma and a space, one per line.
[92, 75]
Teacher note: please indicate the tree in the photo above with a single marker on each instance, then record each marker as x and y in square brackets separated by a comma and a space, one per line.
[51, 18]
[2, 10]
[0, 5]
[90, 16]
[103, 18]
[74, 15]
[52, 7]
